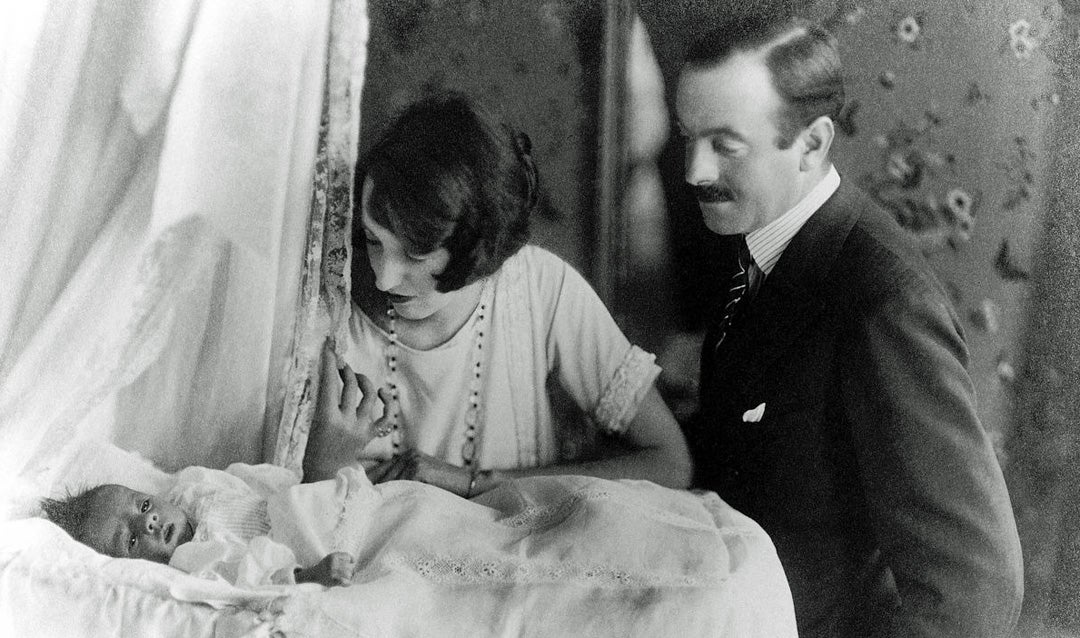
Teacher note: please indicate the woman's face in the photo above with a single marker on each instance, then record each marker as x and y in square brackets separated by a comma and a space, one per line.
[407, 278]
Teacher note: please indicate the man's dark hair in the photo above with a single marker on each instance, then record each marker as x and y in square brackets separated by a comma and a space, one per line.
[447, 174]
[801, 56]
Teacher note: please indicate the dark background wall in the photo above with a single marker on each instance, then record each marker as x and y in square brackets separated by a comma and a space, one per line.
[535, 63]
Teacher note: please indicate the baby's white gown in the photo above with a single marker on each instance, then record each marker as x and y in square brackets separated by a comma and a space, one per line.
[552, 556]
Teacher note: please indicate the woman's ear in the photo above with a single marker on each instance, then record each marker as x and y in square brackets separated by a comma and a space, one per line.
[816, 139]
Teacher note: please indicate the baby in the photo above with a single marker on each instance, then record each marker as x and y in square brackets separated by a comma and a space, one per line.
[124, 523]
[614, 557]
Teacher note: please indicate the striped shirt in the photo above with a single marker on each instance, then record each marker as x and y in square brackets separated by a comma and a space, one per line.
[768, 243]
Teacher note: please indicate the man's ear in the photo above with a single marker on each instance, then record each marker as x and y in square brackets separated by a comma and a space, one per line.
[816, 139]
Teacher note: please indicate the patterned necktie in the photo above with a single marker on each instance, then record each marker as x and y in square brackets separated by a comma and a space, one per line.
[738, 286]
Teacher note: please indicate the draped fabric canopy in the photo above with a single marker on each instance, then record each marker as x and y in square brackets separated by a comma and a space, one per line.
[159, 239]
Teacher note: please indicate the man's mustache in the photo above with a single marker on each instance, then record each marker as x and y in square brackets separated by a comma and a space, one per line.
[710, 193]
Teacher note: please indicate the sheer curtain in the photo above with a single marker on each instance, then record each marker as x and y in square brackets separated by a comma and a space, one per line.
[157, 222]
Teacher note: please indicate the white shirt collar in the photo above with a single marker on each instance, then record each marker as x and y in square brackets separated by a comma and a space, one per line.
[768, 243]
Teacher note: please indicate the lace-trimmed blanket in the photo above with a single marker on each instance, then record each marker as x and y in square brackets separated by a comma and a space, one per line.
[545, 556]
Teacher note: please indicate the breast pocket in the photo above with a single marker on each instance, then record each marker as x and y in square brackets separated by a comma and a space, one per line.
[795, 381]
[790, 430]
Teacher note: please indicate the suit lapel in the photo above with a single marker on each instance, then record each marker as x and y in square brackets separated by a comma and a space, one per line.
[792, 297]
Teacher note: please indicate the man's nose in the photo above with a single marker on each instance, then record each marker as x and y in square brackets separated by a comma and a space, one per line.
[702, 166]
[151, 523]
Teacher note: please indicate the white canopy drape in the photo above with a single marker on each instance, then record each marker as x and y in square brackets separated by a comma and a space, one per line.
[156, 167]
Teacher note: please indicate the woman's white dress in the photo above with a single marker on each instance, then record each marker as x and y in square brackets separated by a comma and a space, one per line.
[546, 326]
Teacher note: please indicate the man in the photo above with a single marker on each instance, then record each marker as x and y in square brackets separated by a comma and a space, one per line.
[835, 405]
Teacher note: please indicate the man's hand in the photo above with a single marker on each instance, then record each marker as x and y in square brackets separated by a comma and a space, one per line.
[345, 418]
[333, 570]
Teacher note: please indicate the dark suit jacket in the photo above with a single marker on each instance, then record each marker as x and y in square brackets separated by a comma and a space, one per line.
[869, 469]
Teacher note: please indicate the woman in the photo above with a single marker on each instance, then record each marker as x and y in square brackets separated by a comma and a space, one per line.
[466, 330]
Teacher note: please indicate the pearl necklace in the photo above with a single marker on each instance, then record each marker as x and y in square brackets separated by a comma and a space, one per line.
[473, 422]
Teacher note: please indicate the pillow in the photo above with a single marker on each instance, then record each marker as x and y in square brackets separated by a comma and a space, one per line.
[51, 585]
[93, 462]
[83, 464]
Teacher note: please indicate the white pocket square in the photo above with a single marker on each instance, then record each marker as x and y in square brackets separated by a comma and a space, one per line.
[753, 416]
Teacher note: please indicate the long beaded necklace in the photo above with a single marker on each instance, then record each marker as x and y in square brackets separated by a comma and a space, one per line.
[473, 421]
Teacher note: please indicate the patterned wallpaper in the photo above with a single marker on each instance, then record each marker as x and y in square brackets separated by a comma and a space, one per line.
[946, 126]
[957, 125]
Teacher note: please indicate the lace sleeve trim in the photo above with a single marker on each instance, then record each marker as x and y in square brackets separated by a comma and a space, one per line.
[619, 403]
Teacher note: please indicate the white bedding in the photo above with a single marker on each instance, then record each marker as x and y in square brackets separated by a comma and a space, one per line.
[556, 556]
[546, 556]
[51, 585]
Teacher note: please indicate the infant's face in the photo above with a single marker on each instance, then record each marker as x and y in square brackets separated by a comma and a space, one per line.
[124, 523]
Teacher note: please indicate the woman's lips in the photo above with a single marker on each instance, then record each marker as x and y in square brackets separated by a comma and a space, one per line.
[399, 299]
[169, 530]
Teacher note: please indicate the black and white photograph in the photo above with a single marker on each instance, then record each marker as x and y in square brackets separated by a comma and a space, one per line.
[540, 318]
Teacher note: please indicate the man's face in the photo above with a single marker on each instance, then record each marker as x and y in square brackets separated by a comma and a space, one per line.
[727, 117]
[124, 523]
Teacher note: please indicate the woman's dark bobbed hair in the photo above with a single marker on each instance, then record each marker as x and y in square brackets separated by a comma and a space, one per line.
[446, 174]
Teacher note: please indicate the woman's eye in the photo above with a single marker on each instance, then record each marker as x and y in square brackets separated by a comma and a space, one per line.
[133, 542]
[418, 258]
[145, 506]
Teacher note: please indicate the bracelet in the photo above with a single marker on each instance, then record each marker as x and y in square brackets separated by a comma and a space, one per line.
[476, 475]
[472, 484]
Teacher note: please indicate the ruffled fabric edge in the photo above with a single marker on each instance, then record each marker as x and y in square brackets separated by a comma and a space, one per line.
[619, 403]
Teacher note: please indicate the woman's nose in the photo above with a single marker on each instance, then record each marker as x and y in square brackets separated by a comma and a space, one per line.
[388, 273]
[151, 522]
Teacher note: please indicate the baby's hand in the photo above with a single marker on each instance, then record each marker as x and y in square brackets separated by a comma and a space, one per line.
[336, 569]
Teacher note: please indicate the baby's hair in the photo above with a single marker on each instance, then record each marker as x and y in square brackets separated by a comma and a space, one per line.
[71, 512]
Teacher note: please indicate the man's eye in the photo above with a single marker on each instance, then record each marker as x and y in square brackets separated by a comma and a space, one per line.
[719, 146]
[133, 542]
[145, 506]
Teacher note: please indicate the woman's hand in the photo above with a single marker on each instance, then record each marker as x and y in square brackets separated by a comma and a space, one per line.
[417, 466]
[345, 418]
[335, 569]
